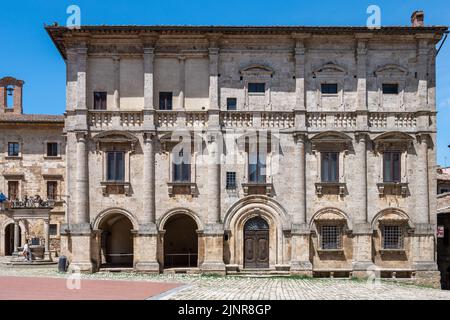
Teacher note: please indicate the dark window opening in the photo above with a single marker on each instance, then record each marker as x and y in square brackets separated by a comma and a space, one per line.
[13, 190]
[391, 167]
[231, 180]
[165, 101]
[392, 237]
[257, 154]
[52, 190]
[256, 87]
[329, 88]
[390, 88]
[100, 100]
[53, 229]
[231, 103]
[181, 167]
[9, 97]
[13, 149]
[52, 149]
[116, 166]
[331, 237]
[330, 167]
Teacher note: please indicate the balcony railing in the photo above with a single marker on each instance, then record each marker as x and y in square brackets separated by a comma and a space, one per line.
[315, 120]
[30, 202]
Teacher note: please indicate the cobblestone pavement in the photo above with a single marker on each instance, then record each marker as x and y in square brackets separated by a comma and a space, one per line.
[256, 288]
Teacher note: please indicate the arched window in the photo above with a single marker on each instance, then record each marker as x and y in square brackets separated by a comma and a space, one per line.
[256, 223]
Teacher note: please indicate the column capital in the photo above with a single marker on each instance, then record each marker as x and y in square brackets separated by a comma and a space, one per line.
[300, 137]
[81, 136]
[361, 136]
[149, 137]
[422, 137]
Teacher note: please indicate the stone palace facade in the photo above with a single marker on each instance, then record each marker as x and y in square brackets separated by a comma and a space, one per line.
[308, 150]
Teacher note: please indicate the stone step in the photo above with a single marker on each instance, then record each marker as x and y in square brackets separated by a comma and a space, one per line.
[182, 270]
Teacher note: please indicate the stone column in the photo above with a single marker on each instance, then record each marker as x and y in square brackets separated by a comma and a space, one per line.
[149, 109]
[116, 63]
[81, 77]
[182, 78]
[213, 232]
[300, 104]
[362, 231]
[424, 234]
[300, 233]
[145, 240]
[47, 255]
[422, 76]
[16, 235]
[80, 229]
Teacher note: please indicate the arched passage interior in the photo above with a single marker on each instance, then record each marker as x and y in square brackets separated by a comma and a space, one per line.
[116, 241]
[180, 242]
[9, 239]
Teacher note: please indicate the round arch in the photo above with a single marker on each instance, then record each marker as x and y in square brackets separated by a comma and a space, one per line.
[3, 227]
[166, 216]
[330, 213]
[391, 214]
[106, 214]
[251, 207]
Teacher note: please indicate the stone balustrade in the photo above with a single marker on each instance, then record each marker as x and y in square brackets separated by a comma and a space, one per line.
[314, 121]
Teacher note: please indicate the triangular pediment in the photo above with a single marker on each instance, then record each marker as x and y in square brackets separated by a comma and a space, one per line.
[390, 70]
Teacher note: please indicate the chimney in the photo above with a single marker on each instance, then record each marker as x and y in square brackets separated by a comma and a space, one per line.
[417, 18]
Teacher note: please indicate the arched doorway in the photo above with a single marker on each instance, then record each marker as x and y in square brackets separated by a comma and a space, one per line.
[180, 242]
[116, 241]
[9, 239]
[256, 243]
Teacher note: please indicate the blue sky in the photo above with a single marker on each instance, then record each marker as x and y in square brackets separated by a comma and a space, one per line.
[28, 54]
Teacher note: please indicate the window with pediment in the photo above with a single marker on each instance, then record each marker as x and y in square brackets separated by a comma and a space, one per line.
[390, 83]
[393, 148]
[115, 149]
[330, 149]
[256, 80]
[329, 80]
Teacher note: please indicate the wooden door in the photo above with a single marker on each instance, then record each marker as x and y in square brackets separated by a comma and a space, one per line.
[256, 243]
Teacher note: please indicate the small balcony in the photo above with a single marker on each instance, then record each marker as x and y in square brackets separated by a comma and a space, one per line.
[258, 188]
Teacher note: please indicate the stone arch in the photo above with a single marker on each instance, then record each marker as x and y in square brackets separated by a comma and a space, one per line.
[172, 212]
[105, 214]
[181, 242]
[330, 214]
[23, 231]
[392, 214]
[269, 210]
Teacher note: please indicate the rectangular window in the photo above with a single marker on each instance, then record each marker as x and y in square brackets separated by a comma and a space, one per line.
[100, 100]
[330, 167]
[13, 149]
[116, 166]
[231, 103]
[257, 162]
[231, 180]
[390, 88]
[52, 149]
[181, 167]
[391, 167]
[165, 101]
[52, 190]
[13, 190]
[53, 229]
[331, 237]
[329, 88]
[256, 87]
[392, 237]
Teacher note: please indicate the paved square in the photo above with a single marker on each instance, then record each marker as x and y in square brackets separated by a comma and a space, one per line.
[47, 283]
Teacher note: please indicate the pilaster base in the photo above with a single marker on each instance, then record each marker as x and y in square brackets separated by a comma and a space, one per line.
[147, 267]
[301, 268]
[213, 267]
[428, 278]
[81, 267]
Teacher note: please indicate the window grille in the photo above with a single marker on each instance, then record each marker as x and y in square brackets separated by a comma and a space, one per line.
[392, 237]
[331, 237]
